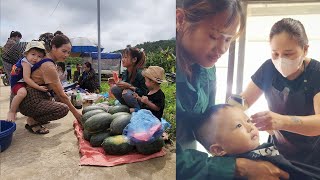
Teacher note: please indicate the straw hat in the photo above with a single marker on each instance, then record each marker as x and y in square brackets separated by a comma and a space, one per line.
[155, 73]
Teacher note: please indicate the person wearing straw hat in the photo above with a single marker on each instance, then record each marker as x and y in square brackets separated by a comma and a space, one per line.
[20, 75]
[155, 99]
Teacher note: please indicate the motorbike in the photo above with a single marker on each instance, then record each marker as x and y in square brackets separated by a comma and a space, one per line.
[5, 79]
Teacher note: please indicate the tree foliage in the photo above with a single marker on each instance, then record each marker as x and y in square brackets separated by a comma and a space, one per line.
[160, 53]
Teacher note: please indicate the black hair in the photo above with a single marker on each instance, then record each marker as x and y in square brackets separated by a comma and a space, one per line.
[46, 38]
[88, 64]
[203, 121]
[57, 33]
[62, 65]
[293, 27]
[15, 34]
[59, 40]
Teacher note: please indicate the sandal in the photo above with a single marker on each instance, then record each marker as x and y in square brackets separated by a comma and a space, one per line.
[42, 129]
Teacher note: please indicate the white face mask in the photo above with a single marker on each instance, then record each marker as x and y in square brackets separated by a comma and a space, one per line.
[286, 67]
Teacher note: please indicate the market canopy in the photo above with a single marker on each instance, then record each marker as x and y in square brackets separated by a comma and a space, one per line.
[83, 44]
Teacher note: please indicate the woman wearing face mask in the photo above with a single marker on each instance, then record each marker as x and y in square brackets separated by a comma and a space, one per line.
[291, 84]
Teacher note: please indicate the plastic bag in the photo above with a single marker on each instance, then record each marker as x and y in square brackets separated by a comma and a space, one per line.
[144, 127]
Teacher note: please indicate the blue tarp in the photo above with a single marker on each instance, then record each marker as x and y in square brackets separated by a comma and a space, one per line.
[94, 55]
[85, 49]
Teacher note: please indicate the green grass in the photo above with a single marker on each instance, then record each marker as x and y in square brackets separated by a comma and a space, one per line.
[169, 113]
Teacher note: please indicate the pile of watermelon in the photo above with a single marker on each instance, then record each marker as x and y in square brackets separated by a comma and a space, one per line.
[103, 127]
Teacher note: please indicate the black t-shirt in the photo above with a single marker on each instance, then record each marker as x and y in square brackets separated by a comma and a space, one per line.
[158, 99]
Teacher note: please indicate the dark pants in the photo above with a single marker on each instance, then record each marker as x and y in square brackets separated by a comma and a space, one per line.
[69, 75]
[127, 98]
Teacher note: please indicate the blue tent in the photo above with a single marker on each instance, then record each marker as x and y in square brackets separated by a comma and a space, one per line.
[94, 55]
[83, 44]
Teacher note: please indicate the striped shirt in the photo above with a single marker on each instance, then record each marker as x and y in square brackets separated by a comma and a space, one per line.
[13, 51]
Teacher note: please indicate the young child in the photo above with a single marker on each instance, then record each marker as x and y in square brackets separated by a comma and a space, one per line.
[20, 75]
[68, 68]
[227, 131]
[77, 73]
[61, 68]
[155, 99]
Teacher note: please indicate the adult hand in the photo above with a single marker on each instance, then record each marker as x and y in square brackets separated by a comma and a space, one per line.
[136, 95]
[123, 85]
[268, 120]
[77, 115]
[259, 170]
[43, 88]
[124, 92]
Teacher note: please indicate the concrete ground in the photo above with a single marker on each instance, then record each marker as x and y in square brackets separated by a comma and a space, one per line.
[56, 155]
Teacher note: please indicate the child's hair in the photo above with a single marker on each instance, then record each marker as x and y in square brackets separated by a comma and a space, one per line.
[293, 27]
[199, 10]
[15, 34]
[62, 65]
[134, 52]
[200, 126]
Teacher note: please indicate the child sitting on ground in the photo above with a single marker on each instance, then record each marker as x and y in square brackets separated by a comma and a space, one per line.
[155, 99]
[20, 75]
[225, 130]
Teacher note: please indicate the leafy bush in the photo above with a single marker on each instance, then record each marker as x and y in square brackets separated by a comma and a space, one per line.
[74, 60]
[164, 58]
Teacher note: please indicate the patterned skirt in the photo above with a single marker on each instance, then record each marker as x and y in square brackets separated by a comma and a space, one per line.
[39, 106]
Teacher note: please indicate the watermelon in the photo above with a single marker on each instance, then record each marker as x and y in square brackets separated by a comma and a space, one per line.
[98, 123]
[97, 139]
[86, 135]
[120, 108]
[89, 114]
[119, 123]
[115, 115]
[150, 148]
[117, 145]
[92, 107]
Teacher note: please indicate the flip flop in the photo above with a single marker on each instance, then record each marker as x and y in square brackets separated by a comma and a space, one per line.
[39, 131]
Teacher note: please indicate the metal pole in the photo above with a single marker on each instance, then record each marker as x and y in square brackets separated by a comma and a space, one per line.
[232, 52]
[99, 45]
[241, 54]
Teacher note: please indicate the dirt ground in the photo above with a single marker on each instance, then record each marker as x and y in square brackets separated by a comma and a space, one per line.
[56, 155]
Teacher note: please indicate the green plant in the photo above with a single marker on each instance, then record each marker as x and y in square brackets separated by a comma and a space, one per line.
[169, 113]
[163, 58]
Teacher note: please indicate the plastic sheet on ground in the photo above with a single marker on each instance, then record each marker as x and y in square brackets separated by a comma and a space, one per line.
[97, 157]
